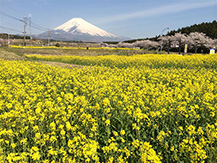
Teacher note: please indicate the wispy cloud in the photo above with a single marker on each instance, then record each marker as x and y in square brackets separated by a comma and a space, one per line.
[168, 9]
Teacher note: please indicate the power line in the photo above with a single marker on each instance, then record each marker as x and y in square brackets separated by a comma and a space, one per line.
[37, 26]
[12, 17]
[11, 29]
[34, 25]
[31, 25]
[9, 23]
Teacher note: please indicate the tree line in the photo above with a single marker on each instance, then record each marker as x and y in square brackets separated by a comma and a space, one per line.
[5, 36]
[210, 29]
[196, 42]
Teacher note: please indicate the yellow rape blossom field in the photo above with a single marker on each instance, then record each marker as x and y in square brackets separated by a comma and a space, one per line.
[141, 108]
[147, 60]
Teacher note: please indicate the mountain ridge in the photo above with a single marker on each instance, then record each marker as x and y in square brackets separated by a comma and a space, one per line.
[77, 29]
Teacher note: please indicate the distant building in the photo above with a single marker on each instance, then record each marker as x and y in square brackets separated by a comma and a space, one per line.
[212, 51]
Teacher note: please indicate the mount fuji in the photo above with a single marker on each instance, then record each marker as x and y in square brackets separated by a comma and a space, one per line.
[77, 29]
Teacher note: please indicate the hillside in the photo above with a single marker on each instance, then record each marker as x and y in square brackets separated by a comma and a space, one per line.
[210, 29]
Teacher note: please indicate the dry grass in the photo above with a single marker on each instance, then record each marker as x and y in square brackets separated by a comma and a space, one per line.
[79, 52]
[7, 55]
[11, 54]
[19, 54]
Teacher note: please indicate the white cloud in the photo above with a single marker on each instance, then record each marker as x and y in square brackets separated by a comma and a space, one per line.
[169, 9]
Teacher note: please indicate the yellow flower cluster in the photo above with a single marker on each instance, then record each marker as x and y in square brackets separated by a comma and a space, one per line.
[34, 47]
[104, 114]
[148, 60]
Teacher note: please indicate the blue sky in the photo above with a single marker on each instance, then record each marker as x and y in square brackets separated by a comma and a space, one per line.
[129, 18]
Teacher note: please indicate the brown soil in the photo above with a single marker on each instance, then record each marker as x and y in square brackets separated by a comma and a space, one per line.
[63, 65]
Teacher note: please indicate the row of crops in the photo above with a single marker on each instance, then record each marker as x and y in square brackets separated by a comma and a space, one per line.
[147, 60]
[138, 113]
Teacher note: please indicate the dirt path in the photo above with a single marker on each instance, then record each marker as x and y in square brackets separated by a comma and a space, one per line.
[63, 65]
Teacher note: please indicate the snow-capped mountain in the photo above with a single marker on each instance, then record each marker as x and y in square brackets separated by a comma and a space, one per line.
[78, 25]
[78, 29]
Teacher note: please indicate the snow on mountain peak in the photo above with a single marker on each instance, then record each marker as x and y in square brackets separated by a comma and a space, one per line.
[80, 26]
[78, 29]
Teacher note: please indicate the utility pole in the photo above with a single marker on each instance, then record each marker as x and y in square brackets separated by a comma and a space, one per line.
[48, 40]
[161, 46]
[8, 40]
[24, 20]
[30, 30]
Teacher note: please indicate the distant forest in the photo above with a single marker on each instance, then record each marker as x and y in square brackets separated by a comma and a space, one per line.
[210, 29]
[5, 36]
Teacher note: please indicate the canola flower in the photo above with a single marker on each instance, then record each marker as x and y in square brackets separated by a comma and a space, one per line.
[34, 47]
[103, 114]
[55, 47]
[147, 60]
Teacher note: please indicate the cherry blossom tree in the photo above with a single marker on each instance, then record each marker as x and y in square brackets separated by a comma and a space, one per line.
[1, 42]
[210, 43]
[125, 45]
[165, 41]
[196, 40]
[181, 39]
[146, 44]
